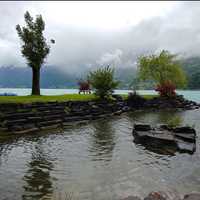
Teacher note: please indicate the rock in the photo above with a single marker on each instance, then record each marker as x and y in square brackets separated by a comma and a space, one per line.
[17, 121]
[185, 147]
[117, 97]
[34, 119]
[25, 131]
[188, 137]
[125, 108]
[119, 112]
[131, 198]
[194, 196]
[2, 129]
[165, 127]
[142, 127]
[157, 196]
[91, 103]
[184, 129]
[95, 106]
[29, 126]
[163, 139]
[53, 117]
[55, 126]
[48, 123]
[73, 118]
[135, 101]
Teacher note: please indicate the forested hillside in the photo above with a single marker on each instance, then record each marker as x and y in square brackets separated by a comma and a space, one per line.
[192, 69]
[52, 77]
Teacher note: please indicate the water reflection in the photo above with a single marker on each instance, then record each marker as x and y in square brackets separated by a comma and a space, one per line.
[158, 148]
[98, 158]
[37, 178]
[159, 117]
[102, 140]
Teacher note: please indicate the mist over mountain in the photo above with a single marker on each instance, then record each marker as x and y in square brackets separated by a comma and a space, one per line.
[53, 77]
[86, 38]
[90, 35]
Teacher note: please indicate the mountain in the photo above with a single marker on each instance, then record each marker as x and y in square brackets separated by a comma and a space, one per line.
[52, 77]
[22, 78]
[192, 68]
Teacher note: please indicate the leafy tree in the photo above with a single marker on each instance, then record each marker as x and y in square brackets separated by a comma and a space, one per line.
[192, 69]
[102, 80]
[164, 69]
[34, 47]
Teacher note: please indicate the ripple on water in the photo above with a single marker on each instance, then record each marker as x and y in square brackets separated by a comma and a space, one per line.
[97, 160]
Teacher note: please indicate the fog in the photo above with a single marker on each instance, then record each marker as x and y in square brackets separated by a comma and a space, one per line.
[94, 34]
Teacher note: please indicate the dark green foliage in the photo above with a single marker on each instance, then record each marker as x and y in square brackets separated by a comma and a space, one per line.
[102, 80]
[192, 68]
[161, 68]
[135, 100]
[34, 47]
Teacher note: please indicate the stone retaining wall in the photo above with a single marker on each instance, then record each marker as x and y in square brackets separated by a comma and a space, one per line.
[26, 118]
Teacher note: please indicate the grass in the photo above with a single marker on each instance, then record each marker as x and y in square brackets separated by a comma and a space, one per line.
[46, 98]
[149, 96]
[146, 96]
[59, 98]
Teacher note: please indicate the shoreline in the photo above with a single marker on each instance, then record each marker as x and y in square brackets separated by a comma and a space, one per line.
[25, 118]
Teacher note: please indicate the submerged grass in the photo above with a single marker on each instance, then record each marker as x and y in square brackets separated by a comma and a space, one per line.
[59, 98]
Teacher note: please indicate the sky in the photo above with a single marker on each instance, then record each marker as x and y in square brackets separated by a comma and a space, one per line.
[92, 34]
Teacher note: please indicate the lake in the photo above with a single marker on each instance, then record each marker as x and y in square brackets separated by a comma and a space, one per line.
[97, 160]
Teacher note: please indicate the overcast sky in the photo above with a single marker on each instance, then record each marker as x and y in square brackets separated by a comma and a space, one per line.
[91, 34]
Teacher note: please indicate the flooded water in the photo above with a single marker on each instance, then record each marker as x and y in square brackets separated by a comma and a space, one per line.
[96, 160]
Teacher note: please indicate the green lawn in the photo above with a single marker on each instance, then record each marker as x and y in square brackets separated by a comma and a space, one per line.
[47, 98]
[150, 96]
[147, 96]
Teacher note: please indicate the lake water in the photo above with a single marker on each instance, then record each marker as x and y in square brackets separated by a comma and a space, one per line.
[97, 160]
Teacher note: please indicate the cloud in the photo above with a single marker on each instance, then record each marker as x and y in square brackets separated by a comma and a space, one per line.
[79, 47]
[113, 58]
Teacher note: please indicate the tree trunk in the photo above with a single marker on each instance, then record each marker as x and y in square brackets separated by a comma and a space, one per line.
[36, 81]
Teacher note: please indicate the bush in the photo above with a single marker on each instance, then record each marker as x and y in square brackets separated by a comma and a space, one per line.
[174, 122]
[135, 100]
[102, 80]
[166, 89]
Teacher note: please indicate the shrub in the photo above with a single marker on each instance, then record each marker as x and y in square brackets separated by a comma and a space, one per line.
[166, 89]
[102, 80]
[161, 69]
[135, 100]
[174, 122]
